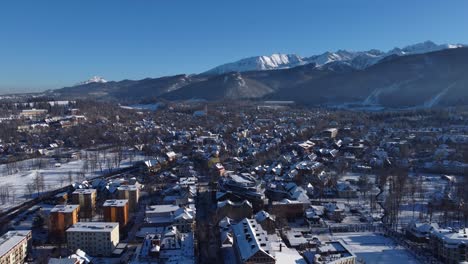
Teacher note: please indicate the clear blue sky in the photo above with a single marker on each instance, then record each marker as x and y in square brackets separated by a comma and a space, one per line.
[54, 43]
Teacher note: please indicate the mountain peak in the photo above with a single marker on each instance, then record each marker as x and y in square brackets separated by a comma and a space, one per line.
[356, 59]
[264, 62]
[423, 47]
[94, 79]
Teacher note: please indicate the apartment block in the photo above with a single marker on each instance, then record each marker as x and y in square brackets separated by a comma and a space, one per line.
[116, 211]
[62, 217]
[130, 193]
[86, 198]
[14, 246]
[94, 238]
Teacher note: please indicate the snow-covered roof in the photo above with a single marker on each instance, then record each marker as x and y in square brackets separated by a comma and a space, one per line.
[452, 237]
[251, 238]
[262, 216]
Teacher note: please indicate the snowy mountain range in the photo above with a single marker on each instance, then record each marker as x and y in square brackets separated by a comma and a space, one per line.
[423, 75]
[356, 59]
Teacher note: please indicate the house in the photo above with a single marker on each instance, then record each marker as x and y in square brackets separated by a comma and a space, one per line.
[335, 211]
[345, 190]
[420, 232]
[314, 216]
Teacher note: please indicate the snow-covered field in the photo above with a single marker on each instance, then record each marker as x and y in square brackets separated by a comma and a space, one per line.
[54, 177]
[375, 248]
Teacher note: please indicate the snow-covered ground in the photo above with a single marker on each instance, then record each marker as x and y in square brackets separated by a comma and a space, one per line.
[54, 177]
[375, 248]
[432, 185]
[149, 107]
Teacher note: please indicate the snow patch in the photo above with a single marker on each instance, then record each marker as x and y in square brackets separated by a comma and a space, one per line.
[94, 79]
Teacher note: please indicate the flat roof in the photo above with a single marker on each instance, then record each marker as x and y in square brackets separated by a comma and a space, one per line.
[128, 187]
[115, 203]
[63, 261]
[84, 191]
[162, 208]
[452, 237]
[12, 238]
[69, 208]
[93, 227]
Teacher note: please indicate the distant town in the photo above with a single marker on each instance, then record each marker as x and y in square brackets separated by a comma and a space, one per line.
[85, 181]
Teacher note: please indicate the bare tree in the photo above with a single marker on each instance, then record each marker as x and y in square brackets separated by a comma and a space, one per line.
[85, 167]
[5, 193]
[110, 164]
[62, 180]
[30, 187]
[70, 177]
[37, 182]
[364, 185]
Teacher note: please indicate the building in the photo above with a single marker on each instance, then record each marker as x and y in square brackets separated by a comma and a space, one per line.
[266, 220]
[86, 198]
[330, 133]
[33, 113]
[335, 211]
[116, 211]
[251, 243]
[164, 215]
[234, 210]
[62, 217]
[14, 246]
[131, 193]
[345, 190]
[450, 245]
[94, 238]
[244, 185]
[61, 198]
[64, 261]
[288, 208]
[333, 252]
[420, 232]
[161, 211]
[167, 245]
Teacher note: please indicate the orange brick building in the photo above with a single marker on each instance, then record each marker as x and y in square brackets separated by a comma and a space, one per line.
[116, 211]
[62, 217]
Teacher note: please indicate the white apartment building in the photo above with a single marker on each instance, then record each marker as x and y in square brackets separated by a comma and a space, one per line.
[14, 246]
[94, 238]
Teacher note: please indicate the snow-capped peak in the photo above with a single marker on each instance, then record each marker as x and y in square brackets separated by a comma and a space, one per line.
[94, 79]
[355, 59]
[272, 62]
[423, 47]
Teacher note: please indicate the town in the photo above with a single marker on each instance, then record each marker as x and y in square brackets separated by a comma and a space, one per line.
[84, 181]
